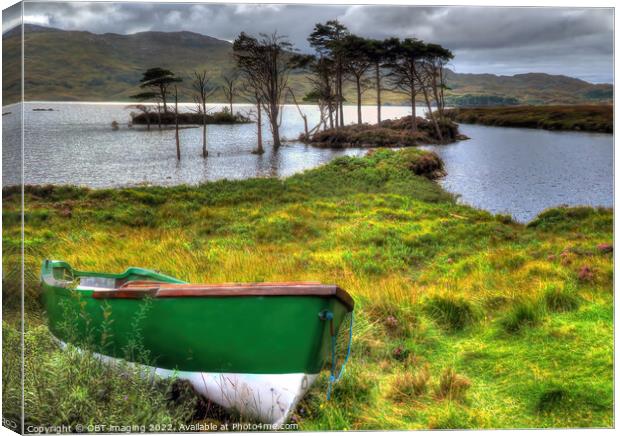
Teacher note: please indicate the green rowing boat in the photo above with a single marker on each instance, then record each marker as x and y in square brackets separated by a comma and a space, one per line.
[255, 348]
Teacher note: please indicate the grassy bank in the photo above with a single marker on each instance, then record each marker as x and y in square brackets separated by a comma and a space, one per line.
[390, 133]
[590, 118]
[463, 319]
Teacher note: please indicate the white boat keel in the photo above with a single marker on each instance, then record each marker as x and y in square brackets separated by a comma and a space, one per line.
[268, 398]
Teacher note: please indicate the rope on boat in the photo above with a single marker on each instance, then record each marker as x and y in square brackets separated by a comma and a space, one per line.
[332, 377]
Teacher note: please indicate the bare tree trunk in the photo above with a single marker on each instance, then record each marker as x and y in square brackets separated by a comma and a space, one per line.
[176, 122]
[275, 133]
[340, 98]
[230, 102]
[378, 84]
[341, 108]
[336, 116]
[303, 116]
[359, 100]
[431, 115]
[322, 121]
[148, 121]
[273, 121]
[163, 99]
[205, 153]
[414, 122]
[438, 89]
[331, 117]
[259, 136]
[441, 91]
[158, 115]
[436, 94]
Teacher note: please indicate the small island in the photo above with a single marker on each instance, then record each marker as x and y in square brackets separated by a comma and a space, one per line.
[388, 133]
[589, 118]
[221, 117]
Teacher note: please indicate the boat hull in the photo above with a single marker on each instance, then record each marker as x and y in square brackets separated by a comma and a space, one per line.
[256, 354]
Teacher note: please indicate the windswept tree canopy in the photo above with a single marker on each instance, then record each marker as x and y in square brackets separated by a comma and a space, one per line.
[357, 52]
[439, 52]
[157, 76]
[404, 60]
[159, 79]
[145, 96]
[324, 38]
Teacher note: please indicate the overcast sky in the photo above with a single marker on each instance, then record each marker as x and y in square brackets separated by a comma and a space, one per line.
[576, 42]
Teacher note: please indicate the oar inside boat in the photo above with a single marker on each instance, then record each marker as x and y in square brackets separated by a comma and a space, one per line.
[252, 347]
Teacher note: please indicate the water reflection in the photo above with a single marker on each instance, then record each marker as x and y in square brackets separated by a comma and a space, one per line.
[524, 171]
[75, 144]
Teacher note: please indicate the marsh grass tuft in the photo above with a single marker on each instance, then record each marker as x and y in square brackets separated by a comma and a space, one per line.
[398, 321]
[410, 385]
[551, 398]
[451, 312]
[524, 313]
[561, 299]
[452, 386]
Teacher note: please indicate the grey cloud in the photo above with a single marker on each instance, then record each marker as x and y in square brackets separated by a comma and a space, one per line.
[218, 20]
[11, 17]
[571, 41]
[483, 27]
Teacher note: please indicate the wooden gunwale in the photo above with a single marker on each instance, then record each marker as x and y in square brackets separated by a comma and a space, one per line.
[141, 289]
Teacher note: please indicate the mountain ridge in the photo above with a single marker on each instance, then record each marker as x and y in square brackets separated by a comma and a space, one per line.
[76, 65]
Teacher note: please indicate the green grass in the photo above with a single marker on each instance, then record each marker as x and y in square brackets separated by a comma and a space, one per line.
[463, 319]
[592, 118]
[69, 387]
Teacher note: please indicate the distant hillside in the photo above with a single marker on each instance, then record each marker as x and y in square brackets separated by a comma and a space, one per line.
[82, 66]
[530, 88]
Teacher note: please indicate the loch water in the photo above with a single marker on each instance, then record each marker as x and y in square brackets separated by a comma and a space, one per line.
[514, 171]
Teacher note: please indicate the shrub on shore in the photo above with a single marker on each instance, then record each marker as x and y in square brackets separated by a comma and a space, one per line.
[428, 164]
